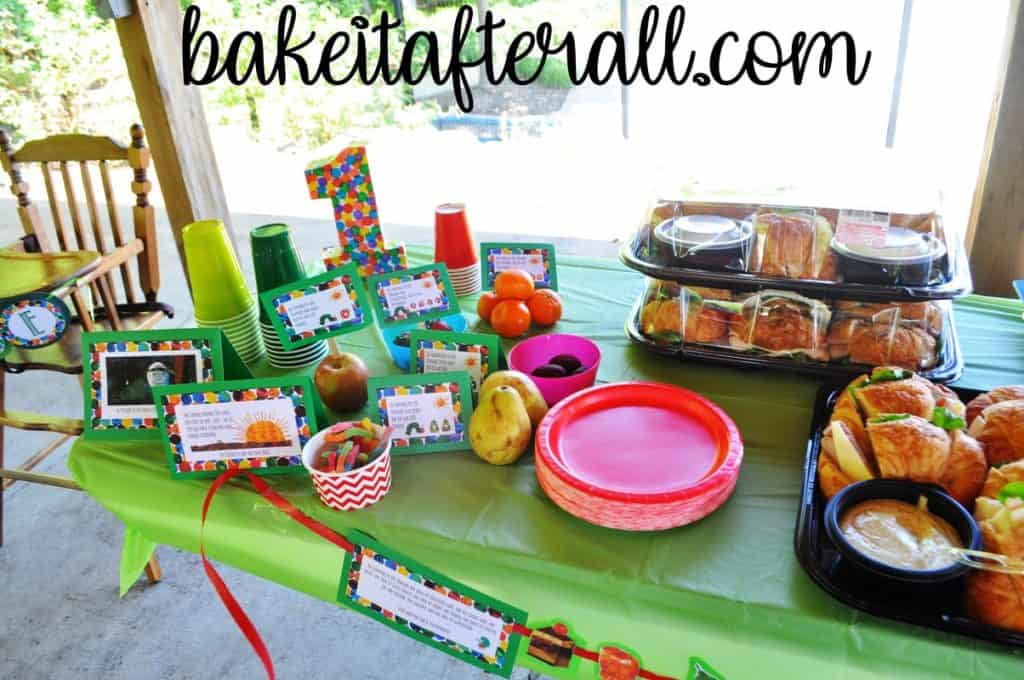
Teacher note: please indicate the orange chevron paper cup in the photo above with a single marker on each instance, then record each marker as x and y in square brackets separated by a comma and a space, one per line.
[353, 490]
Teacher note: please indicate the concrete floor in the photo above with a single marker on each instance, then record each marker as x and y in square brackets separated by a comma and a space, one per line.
[60, 616]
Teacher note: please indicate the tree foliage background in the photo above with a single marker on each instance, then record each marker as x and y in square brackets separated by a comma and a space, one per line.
[62, 69]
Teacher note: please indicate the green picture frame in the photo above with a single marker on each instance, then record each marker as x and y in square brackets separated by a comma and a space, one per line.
[423, 344]
[369, 556]
[269, 413]
[445, 431]
[389, 313]
[348, 314]
[138, 360]
[545, 273]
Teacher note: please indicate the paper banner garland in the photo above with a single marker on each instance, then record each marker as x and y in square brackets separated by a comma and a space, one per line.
[429, 607]
[345, 179]
[411, 598]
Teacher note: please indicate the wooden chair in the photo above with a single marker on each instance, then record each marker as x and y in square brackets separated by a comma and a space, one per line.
[105, 296]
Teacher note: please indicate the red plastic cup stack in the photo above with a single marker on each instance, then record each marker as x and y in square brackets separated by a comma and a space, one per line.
[454, 245]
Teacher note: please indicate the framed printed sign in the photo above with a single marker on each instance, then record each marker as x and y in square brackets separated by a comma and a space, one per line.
[429, 607]
[33, 320]
[123, 369]
[307, 311]
[258, 425]
[439, 352]
[407, 297]
[536, 259]
[428, 412]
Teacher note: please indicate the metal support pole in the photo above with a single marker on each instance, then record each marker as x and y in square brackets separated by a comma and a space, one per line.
[408, 94]
[897, 82]
[624, 27]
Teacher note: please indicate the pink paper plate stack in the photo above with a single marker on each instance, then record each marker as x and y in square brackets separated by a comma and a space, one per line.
[638, 456]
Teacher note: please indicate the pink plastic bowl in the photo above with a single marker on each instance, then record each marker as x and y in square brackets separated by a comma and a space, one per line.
[538, 350]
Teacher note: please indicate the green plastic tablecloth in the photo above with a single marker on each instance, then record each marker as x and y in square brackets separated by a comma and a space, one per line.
[727, 588]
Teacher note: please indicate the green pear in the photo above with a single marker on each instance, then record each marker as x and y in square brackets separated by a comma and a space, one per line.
[499, 430]
[534, 402]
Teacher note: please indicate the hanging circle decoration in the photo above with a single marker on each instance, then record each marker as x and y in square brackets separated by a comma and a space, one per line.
[4, 345]
[33, 320]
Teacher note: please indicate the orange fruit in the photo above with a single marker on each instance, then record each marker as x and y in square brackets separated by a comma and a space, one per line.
[545, 307]
[510, 318]
[485, 304]
[513, 284]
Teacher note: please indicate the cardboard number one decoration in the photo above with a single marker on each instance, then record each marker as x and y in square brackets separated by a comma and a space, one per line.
[33, 320]
[345, 179]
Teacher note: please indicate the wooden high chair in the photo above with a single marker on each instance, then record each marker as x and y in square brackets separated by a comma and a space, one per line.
[89, 268]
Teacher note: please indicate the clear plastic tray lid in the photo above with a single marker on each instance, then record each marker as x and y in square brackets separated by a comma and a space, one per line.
[840, 249]
[782, 323]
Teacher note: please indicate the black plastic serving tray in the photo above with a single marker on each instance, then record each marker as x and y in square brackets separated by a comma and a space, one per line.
[957, 285]
[949, 368]
[940, 606]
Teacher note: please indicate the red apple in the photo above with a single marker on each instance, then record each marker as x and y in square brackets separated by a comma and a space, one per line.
[341, 382]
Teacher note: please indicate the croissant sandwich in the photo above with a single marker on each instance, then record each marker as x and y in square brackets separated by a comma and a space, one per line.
[983, 401]
[926, 315]
[781, 322]
[879, 334]
[894, 424]
[795, 245]
[664, 316]
[880, 343]
[1000, 427]
[995, 598]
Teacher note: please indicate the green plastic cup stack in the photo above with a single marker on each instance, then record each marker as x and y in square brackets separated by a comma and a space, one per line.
[219, 292]
[276, 263]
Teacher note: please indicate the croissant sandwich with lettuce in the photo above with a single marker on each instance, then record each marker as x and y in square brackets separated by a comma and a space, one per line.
[781, 323]
[894, 424]
[995, 598]
[704, 313]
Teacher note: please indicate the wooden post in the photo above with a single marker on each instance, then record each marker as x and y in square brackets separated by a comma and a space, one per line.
[173, 117]
[995, 233]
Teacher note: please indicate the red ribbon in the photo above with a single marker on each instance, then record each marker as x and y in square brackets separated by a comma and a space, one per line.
[235, 609]
[281, 503]
[230, 603]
